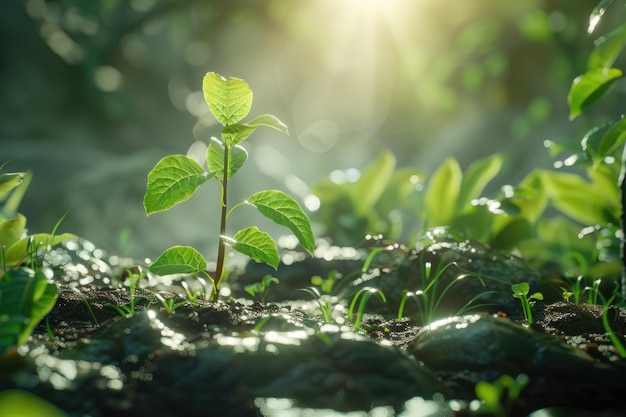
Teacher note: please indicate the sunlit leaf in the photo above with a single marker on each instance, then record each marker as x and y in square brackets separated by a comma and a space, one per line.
[589, 87]
[9, 181]
[373, 181]
[236, 133]
[284, 210]
[11, 230]
[607, 48]
[9, 210]
[20, 403]
[19, 251]
[596, 14]
[237, 156]
[178, 260]
[442, 193]
[269, 121]
[612, 139]
[229, 99]
[476, 178]
[173, 180]
[576, 198]
[257, 245]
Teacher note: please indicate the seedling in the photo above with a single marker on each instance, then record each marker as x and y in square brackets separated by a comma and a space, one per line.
[521, 291]
[617, 342]
[364, 295]
[261, 287]
[169, 304]
[497, 397]
[323, 301]
[175, 178]
[429, 299]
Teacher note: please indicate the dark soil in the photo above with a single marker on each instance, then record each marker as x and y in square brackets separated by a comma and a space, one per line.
[239, 357]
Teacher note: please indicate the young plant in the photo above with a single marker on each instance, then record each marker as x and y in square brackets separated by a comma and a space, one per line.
[618, 342]
[16, 247]
[323, 302]
[128, 310]
[364, 295]
[521, 291]
[175, 178]
[170, 304]
[430, 297]
[261, 287]
[497, 397]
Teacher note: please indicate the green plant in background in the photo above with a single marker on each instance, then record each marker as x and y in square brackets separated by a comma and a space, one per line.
[601, 147]
[26, 296]
[16, 246]
[521, 291]
[260, 288]
[497, 397]
[175, 179]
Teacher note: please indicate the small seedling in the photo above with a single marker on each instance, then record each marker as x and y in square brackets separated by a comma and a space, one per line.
[497, 397]
[261, 287]
[617, 342]
[132, 281]
[429, 299]
[169, 304]
[175, 179]
[521, 291]
[323, 301]
[364, 295]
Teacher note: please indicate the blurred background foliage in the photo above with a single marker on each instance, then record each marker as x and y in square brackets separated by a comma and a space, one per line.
[95, 92]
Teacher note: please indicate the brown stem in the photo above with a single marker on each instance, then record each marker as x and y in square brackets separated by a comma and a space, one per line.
[221, 250]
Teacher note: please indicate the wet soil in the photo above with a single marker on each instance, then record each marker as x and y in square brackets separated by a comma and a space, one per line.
[241, 357]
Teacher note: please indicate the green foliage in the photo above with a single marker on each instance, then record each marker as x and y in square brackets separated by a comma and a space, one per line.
[617, 342]
[497, 397]
[431, 296]
[26, 295]
[260, 288]
[15, 245]
[520, 291]
[175, 179]
[19, 403]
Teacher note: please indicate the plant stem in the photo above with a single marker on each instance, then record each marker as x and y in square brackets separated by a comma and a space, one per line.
[221, 251]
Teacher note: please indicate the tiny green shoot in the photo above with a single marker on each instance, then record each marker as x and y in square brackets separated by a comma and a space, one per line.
[617, 343]
[260, 288]
[363, 295]
[520, 291]
[175, 179]
[323, 301]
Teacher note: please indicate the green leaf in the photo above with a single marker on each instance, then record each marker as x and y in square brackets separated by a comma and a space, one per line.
[284, 210]
[476, 178]
[9, 210]
[522, 288]
[589, 87]
[26, 297]
[442, 193]
[20, 250]
[11, 230]
[20, 403]
[596, 14]
[9, 181]
[173, 180]
[607, 48]
[269, 121]
[373, 181]
[577, 198]
[236, 133]
[229, 99]
[611, 139]
[257, 245]
[178, 260]
[237, 156]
